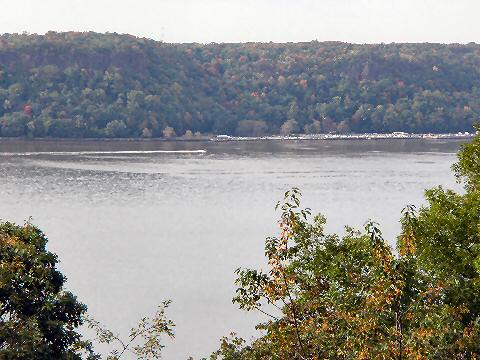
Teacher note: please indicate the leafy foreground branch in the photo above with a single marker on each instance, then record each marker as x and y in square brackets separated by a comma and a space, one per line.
[143, 341]
[354, 297]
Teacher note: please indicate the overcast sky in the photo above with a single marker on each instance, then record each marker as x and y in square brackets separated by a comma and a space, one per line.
[359, 21]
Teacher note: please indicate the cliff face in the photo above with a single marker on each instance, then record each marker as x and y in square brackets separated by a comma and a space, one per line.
[89, 84]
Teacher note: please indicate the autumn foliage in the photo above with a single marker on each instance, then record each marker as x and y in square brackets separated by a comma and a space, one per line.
[355, 297]
[108, 85]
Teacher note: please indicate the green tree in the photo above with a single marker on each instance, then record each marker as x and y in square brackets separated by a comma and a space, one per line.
[116, 128]
[289, 127]
[251, 128]
[446, 236]
[354, 297]
[467, 169]
[314, 128]
[14, 124]
[169, 132]
[38, 318]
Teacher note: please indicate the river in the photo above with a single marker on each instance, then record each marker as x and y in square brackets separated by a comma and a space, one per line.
[137, 222]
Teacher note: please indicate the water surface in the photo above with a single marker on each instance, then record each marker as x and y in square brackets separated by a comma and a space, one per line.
[136, 222]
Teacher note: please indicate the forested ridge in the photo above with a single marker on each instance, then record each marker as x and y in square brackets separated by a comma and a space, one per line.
[108, 85]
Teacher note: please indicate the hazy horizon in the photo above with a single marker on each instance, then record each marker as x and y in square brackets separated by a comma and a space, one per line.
[231, 21]
[245, 42]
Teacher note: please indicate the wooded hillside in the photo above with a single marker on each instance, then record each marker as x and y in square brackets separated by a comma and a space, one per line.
[109, 85]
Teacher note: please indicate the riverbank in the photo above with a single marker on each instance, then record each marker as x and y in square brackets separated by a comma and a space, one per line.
[366, 136]
[211, 137]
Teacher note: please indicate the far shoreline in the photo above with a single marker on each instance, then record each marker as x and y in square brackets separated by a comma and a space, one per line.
[297, 137]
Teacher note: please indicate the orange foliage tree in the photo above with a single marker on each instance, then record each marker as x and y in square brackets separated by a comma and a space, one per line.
[355, 297]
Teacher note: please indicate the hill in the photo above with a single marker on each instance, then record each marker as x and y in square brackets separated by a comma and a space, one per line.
[110, 85]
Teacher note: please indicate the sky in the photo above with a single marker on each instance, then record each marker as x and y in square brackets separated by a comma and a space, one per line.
[205, 21]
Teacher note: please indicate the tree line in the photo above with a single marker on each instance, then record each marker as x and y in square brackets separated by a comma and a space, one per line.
[109, 85]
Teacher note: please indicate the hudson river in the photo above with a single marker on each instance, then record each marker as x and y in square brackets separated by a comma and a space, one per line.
[137, 222]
